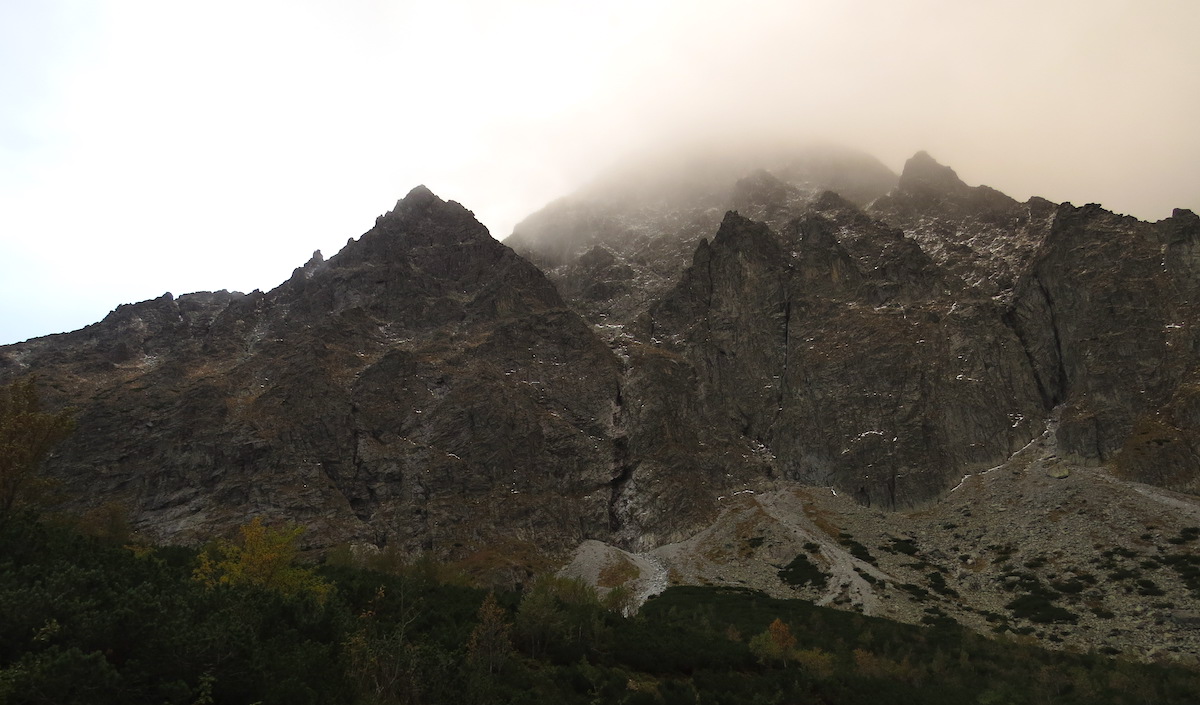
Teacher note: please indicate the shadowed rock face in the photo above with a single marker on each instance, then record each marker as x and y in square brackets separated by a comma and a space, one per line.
[877, 382]
[1104, 306]
[1108, 312]
[948, 320]
[427, 387]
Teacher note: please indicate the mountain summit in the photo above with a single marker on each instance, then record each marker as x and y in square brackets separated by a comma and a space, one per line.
[922, 171]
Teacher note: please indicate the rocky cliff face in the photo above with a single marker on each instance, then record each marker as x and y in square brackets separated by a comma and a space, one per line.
[1103, 305]
[619, 244]
[872, 374]
[1108, 310]
[887, 349]
[428, 387]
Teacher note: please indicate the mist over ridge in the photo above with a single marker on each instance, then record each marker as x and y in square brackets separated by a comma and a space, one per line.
[311, 119]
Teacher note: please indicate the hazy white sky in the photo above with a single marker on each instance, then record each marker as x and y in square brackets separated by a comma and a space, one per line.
[157, 145]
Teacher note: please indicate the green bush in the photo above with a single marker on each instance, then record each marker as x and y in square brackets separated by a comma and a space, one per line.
[905, 546]
[1149, 588]
[1187, 566]
[1039, 609]
[801, 572]
[856, 549]
[937, 583]
[1070, 587]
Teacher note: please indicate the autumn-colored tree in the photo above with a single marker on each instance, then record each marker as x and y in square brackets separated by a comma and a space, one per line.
[869, 665]
[781, 635]
[818, 663]
[776, 643]
[489, 646]
[27, 434]
[262, 557]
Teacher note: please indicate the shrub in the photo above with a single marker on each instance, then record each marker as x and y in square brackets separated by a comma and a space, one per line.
[801, 572]
[905, 546]
[264, 558]
[1070, 587]
[856, 549]
[1122, 574]
[937, 583]
[1039, 609]
[1148, 587]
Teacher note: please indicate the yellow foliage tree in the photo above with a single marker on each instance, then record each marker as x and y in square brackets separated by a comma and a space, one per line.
[489, 645]
[781, 636]
[776, 643]
[818, 663]
[261, 557]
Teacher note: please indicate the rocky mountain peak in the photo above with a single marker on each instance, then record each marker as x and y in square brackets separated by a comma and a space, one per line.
[746, 237]
[426, 263]
[833, 206]
[923, 172]
[418, 195]
[1185, 214]
[976, 232]
[421, 218]
[652, 214]
[420, 198]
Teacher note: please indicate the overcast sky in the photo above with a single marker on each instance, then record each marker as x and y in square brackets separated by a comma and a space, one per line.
[160, 145]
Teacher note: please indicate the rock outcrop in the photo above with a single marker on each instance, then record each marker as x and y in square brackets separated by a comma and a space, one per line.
[1108, 313]
[975, 232]
[1103, 304]
[863, 373]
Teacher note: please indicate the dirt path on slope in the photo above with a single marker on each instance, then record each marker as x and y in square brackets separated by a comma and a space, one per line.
[1189, 506]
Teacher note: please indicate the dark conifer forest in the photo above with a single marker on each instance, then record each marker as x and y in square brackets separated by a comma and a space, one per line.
[87, 616]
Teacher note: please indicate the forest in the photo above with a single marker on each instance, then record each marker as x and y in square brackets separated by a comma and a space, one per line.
[89, 616]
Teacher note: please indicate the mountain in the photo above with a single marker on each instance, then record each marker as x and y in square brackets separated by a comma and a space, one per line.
[403, 392]
[617, 245]
[802, 373]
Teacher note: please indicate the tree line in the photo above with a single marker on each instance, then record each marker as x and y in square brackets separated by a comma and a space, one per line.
[89, 616]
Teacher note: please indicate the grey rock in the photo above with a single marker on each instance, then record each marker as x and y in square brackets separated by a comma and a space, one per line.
[431, 388]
